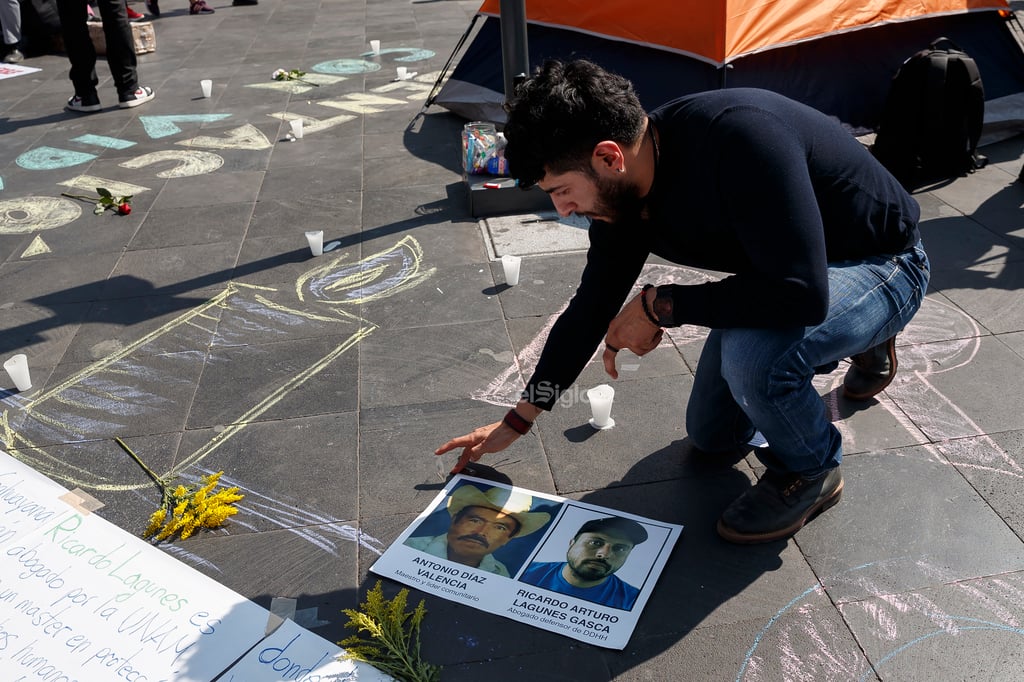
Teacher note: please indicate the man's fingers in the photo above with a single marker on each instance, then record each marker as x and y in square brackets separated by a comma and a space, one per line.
[609, 363]
[461, 442]
[463, 461]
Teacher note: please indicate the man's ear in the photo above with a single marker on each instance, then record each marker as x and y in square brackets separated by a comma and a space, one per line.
[608, 157]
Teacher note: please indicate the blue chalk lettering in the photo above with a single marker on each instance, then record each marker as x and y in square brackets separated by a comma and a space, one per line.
[51, 158]
[347, 66]
[165, 126]
[103, 141]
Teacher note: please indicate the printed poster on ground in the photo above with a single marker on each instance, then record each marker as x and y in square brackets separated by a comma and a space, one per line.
[580, 570]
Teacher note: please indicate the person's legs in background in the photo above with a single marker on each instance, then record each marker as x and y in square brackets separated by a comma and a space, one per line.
[121, 57]
[120, 45]
[81, 53]
[10, 22]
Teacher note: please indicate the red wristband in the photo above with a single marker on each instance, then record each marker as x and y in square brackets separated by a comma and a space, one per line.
[517, 423]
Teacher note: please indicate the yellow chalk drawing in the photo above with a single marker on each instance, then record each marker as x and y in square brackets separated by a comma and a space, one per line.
[103, 400]
[362, 103]
[314, 125]
[247, 136]
[28, 214]
[89, 183]
[189, 162]
[36, 248]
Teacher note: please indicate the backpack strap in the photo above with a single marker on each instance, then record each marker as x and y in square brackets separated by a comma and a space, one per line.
[975, 107]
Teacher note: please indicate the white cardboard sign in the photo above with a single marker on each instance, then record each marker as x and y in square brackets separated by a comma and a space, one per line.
[82, 600]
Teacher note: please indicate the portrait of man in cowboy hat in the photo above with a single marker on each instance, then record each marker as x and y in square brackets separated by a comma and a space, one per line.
[482, 521]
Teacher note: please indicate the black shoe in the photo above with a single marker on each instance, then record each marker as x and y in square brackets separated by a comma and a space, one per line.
[778, 506]
[871, 371]
[84, 104]
[140, 95]
[153, 7]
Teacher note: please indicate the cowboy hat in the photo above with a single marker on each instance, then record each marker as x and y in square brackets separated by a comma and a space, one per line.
[508, 502]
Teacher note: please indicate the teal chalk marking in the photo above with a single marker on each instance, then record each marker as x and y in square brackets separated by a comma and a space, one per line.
[165, 126]
[51, 158]
[414, 54]
[1, 184]
[347, 66]
[771, 621]
[104, 141]
[984, 625]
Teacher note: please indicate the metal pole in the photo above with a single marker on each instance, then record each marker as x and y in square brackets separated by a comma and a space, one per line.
[515, 58]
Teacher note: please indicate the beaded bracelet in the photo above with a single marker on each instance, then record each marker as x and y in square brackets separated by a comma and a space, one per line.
[647, 309]
[517, 423]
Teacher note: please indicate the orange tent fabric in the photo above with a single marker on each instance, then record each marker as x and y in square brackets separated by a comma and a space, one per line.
[718, 32]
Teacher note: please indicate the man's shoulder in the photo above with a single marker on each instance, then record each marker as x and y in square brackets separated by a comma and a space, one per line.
[712, 104]
[622, 585]
[423, 542]
[543, 566]
[492, 565]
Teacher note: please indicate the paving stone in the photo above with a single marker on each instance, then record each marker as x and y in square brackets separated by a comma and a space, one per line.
[987, 293]
[900, 507]
[278, 465]
[281, 380]
[196, 225]
[397, 454]
[968, 625]
[994, 465]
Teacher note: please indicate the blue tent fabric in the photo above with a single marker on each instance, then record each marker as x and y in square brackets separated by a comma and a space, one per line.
[845, 75]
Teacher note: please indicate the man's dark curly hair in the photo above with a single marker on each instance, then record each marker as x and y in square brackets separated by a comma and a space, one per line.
[557, 116]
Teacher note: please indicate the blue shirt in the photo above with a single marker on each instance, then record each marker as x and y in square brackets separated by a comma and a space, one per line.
[613, 592]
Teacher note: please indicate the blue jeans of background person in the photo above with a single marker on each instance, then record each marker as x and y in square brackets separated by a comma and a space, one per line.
[760, 379]
[117, 33]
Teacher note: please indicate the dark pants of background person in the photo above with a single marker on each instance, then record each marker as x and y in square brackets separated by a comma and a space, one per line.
[120, 47]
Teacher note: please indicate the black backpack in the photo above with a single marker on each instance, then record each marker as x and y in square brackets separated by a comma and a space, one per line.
[932, 118]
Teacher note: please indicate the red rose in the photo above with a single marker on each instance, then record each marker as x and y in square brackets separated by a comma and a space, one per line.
[124, 209]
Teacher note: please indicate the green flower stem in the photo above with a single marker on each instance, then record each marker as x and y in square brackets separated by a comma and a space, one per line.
[83, 198]
[161, 483]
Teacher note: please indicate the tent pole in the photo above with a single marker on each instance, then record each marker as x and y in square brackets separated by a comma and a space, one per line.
[514, 56]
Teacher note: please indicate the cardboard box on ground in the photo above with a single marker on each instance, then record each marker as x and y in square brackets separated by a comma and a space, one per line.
[143, 35]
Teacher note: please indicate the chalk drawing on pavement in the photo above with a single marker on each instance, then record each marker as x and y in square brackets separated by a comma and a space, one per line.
[103, 400]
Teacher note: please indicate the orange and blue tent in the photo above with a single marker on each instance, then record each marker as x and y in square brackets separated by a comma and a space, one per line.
[836, 55]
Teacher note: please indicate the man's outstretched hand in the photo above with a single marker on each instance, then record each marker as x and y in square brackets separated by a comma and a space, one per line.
[491, 438]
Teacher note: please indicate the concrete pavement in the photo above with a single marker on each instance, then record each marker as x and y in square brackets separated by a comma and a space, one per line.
[322, 385]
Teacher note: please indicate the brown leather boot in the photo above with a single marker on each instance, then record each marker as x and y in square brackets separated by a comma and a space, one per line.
[871, 371]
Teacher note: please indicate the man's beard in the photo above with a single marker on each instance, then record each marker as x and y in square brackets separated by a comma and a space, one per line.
[590, 569]
[617, 200]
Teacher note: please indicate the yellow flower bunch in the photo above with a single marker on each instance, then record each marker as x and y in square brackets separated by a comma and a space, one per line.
[193, 509]
[190, 509]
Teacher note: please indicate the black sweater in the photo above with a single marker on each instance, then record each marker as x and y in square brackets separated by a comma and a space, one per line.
[751, 183]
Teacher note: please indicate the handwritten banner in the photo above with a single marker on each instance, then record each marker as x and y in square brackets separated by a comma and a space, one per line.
[580, 570]
[294, 653]
[81, 600]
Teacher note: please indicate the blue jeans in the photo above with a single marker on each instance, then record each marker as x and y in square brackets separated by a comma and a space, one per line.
[760, 379]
